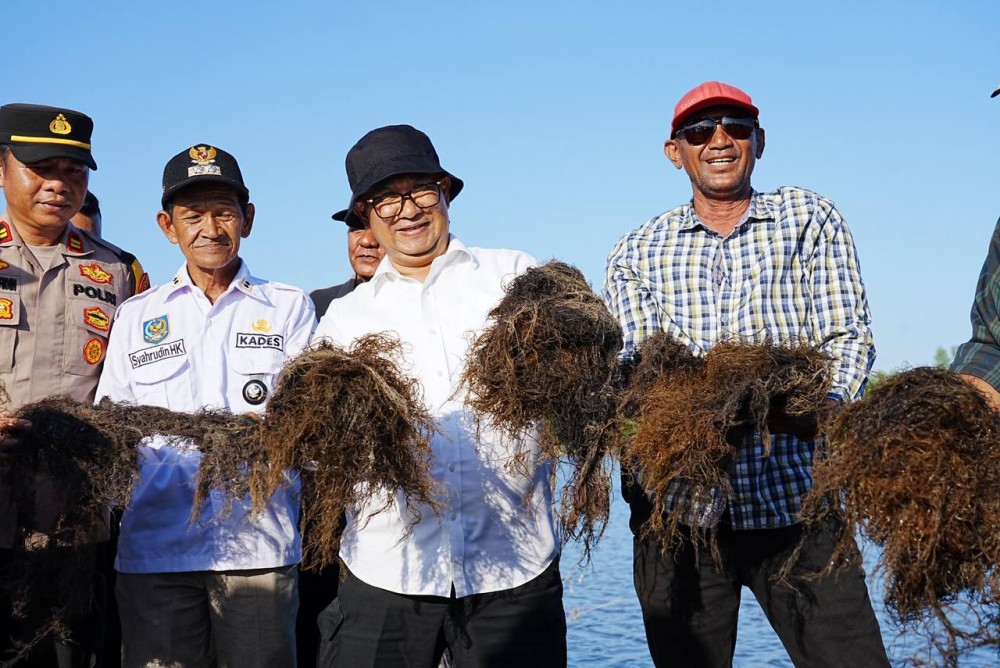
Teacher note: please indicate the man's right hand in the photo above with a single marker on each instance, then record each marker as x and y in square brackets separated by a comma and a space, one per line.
[10, 429]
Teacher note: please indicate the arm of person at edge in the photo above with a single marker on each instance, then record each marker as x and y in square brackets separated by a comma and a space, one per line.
[840, 316]
[978, 360]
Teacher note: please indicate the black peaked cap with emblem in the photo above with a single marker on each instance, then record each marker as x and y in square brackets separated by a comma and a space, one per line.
[202, 163]
[386, 152]
[35, 132]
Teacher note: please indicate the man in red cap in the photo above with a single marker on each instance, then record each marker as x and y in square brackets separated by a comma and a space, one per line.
[776, 267]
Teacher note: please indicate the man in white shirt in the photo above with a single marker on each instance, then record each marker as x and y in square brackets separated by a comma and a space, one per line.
[215, 336]
[480, 577]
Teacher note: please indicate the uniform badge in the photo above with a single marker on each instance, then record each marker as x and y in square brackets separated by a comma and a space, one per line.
[4, 231]
[155, 330]
[254, 392]
[247, 285]
[74, 242]
[203, 158]
[261, 325]
[6, 309]
[97, 318]
[60, 126]
[93, 351]
[143, 283]
[96, 273]
[3, 265]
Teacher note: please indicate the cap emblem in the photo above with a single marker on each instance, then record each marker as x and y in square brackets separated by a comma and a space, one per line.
[203, 157]
[60, 126]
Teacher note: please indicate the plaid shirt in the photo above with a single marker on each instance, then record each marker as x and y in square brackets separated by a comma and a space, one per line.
[788, 272]
[980, 356]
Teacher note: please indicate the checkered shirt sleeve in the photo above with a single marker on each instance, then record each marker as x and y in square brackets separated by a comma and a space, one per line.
[980, 355]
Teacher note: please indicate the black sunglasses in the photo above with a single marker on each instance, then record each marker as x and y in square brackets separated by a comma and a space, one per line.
[701, 132]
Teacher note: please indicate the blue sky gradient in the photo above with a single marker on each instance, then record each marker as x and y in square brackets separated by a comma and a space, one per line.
[554, 114]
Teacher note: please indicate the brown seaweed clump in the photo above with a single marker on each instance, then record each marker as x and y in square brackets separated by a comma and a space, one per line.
[75, 461]
[915, 466]
[357, 430]
[693, 413]
[548, 359]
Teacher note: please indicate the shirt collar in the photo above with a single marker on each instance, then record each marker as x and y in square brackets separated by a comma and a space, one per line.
[761, 208]
[457, 251]
[73, 242]
[243, 281]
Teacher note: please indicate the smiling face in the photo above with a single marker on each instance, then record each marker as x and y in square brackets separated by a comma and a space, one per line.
[207, 221]
[363, 251]
[42, 196]
[416, 235]
[719, 169]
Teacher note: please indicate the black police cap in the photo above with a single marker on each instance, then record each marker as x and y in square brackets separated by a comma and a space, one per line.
[202, 163]
[35, 132]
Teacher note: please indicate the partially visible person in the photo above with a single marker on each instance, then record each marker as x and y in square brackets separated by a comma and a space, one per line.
[777, 267]
[364, 254]
[59, 290]
[478, 576]
[224, 588]
[978, 359]
[317, 589]
[89, 216]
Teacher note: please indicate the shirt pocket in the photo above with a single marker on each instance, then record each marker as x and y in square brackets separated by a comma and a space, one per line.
[10, 316]
[85, 336]
[164, 382]
[253, 374]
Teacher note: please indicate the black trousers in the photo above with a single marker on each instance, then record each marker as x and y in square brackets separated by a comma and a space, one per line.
[523, 627]
[59, 578]
[690, 607]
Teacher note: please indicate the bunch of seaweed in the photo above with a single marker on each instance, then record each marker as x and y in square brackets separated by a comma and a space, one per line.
[692, 414]
[915, 467]
[548, 360]
[356, 429]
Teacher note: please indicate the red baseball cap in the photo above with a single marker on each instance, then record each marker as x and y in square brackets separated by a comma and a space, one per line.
[710, 94]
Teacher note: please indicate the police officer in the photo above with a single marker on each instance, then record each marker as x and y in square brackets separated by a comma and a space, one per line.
[217, 336]
[59, 288]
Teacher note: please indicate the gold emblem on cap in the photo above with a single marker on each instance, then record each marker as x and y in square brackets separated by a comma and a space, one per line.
[203, 155]
[60, 126]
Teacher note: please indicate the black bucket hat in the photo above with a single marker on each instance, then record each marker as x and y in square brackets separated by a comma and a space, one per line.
[200, 163]
[387, 152]
[35, 132]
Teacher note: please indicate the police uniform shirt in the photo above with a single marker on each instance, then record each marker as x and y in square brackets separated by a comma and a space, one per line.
[486, 537]
[55, 318]
[173, 348]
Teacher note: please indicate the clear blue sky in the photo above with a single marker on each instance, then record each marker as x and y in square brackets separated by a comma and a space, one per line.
[554, 114]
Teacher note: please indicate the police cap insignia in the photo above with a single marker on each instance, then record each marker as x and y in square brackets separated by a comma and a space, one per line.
[36, 132]
[202, 162]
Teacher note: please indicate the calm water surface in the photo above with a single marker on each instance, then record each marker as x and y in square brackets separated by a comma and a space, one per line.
[605, 625]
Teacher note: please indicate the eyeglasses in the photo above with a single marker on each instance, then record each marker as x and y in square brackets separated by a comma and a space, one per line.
[390, 205]
[702, 132]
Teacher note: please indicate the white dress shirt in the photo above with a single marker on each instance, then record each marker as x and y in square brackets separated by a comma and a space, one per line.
[496, 530]
[171, 347]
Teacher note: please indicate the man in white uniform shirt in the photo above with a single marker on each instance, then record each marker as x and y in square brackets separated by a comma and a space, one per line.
[223, 588]
[481, 577]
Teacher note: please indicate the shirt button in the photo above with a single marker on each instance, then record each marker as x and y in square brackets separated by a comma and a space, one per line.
[440, 373]
[454, 517]
[451, 468]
